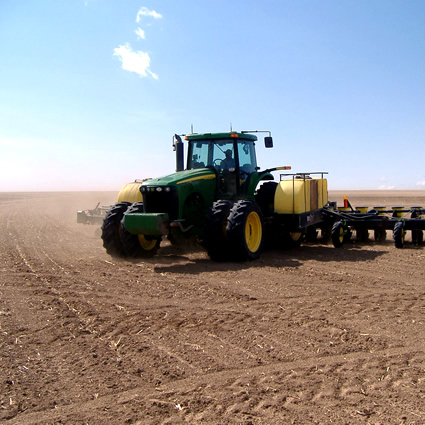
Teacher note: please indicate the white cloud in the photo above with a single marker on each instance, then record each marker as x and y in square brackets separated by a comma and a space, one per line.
[140, 33]
[421, 183]
[144, 11]
[386, 187]
[138, 62]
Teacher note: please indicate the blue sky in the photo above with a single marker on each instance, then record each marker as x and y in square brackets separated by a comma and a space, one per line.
[92, 91]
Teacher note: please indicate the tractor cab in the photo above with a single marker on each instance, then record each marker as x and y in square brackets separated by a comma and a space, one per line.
[230, 155]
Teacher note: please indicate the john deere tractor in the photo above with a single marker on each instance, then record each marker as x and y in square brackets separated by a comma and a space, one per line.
[215, 200]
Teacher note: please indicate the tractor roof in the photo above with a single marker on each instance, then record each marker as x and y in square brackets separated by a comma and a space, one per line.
[216, 136]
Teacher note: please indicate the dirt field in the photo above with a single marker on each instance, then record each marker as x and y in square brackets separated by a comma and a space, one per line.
[316, 335]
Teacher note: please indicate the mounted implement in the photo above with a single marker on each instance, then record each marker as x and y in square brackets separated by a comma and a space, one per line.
[347, 220]
[93, 216]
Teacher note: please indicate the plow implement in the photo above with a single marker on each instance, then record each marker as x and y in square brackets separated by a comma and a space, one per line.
[343, 222]
[93, 216]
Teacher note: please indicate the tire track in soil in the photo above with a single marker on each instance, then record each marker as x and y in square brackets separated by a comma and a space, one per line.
[68, 335]
[246, 343]
[246, 388]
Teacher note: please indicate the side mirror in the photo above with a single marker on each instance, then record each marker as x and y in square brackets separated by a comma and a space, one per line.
[268, 142]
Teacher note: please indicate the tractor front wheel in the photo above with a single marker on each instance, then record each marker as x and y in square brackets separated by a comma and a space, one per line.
[215, 236]
[111, 229]
[245, 231]
[137, 246]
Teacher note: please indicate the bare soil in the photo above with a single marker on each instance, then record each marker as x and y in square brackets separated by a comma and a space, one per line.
[315, 335]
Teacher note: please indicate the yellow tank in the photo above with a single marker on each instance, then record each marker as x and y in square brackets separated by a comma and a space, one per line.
[130, 193]
[300, 195]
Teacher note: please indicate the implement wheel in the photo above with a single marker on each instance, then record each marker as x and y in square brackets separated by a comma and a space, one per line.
[338, 234]
[215, 236]
[399, 234]
[138, 246]
[417, 236]
[292, 239]
[111, 229]
[311, 234]
[380, 234]
[245, 231]
[362, 235]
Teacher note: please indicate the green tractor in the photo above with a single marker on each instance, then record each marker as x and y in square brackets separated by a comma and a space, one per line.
[213, 199]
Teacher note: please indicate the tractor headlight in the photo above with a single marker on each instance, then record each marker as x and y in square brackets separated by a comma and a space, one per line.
[145, 189]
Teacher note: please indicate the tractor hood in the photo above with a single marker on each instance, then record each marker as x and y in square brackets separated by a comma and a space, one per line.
[182, 177]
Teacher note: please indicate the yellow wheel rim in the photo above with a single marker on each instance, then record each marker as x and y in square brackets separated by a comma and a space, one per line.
[341, 234]
[295, 236]
[146, 244]
[253, 231]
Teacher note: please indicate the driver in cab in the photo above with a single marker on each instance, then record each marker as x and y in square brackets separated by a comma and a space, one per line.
[228, 163]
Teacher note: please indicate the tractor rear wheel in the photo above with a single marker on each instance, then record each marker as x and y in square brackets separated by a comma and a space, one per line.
[338, 234]
[215, 236]
[245, 231]
[137, 246]
[265, 198]
[111, 229]
[398, 234]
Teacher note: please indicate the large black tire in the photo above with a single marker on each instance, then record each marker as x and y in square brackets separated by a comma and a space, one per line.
[111, 229]
[215, 236]
[245, 231]
[337, 234]
[265, 198]
[398, 234]
[137, 246]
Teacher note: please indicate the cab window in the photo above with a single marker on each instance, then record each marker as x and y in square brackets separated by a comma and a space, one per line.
[223, 156]
[247, 158]
[199, 155]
